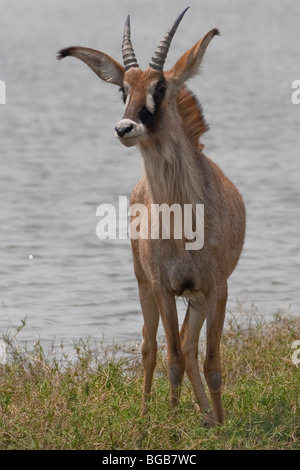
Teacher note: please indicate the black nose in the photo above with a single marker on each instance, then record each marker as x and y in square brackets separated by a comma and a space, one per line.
[122, 130]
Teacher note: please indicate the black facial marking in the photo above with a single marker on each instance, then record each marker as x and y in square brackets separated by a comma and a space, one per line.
[146, 117]
[150, 119]
[121, 90]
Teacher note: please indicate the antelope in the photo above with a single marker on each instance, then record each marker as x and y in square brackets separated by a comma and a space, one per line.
[165, 120]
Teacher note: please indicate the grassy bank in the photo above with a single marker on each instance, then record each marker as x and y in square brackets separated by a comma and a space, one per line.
[94, 401]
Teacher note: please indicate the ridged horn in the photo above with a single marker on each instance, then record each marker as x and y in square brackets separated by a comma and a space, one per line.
[158, 60]
[129, 59]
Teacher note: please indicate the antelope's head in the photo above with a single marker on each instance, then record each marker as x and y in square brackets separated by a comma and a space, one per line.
[146, 94]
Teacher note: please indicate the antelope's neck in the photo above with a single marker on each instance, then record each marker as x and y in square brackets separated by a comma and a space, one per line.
[171, 170]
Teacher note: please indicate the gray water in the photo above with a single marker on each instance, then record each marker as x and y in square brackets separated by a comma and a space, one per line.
[60, 160]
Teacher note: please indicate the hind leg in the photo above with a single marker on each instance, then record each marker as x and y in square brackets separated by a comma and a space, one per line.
[212, 365]
[189, 333]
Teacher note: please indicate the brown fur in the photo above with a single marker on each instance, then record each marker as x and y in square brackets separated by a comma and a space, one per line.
[176, 171]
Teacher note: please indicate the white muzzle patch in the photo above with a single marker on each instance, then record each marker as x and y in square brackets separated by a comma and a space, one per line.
[129, 132]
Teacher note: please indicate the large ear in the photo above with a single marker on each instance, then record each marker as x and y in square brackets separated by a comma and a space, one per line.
[103, 65]
[189, 63]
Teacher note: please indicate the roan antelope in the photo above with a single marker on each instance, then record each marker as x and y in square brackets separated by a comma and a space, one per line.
[165, 120]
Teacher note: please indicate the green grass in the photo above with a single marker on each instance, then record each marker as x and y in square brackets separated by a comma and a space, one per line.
[93, 402]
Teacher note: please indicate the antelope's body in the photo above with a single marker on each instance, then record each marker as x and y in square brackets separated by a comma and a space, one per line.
[165, 120]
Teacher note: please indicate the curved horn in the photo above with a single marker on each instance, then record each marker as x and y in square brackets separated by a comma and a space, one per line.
[129, 59]
[158, 60]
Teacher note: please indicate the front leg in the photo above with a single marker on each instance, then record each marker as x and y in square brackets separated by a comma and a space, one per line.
[149, 344]
[168, 311]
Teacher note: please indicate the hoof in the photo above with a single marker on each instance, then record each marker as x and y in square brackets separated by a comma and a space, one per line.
[209, 420]
[144, 409]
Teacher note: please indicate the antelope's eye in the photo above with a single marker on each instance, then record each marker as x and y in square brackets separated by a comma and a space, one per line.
[161, 89]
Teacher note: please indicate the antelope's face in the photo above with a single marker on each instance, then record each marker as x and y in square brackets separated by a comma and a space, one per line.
[146, 94]
[143, 97]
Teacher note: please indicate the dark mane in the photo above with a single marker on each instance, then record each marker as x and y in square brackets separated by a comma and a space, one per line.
[191, 114]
